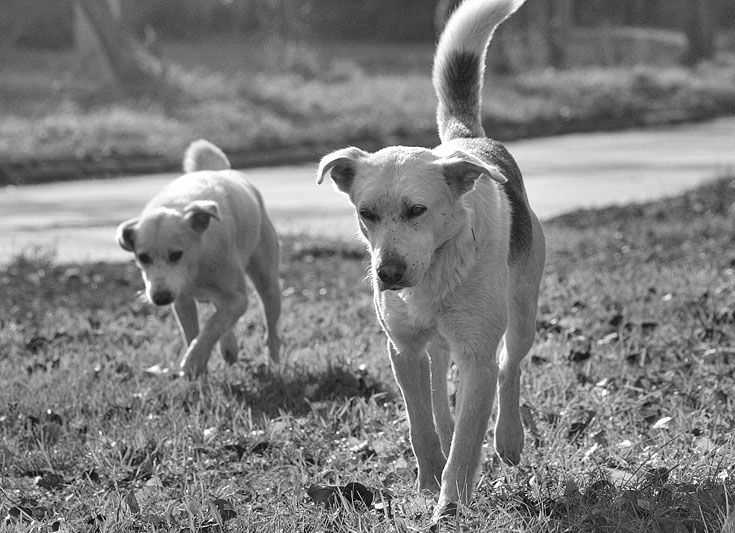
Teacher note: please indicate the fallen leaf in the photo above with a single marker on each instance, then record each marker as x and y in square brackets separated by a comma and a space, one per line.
[49, 480]
[260, 448]
[704, 444]
[132, 502]
[351, 493]
[321, 493]
[225, 509]
[580, 349]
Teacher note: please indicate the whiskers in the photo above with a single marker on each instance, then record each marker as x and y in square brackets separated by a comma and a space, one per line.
[141, 297]
[369, 274]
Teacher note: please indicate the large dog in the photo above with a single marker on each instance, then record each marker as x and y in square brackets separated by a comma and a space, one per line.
[457, 257]
[196, 240]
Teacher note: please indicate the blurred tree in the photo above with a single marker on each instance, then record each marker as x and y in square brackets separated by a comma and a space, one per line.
[559, 28]
[700, 32]
[138, 72]
[36, 24]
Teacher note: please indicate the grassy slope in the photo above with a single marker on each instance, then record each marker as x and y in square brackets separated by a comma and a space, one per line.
[627, 393]
[52, 110]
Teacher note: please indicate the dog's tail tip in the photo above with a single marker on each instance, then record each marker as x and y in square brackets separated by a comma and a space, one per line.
[203, 155]
[459, 64]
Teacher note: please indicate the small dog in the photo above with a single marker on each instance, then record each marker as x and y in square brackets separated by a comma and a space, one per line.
[457, 257]
[196, 240]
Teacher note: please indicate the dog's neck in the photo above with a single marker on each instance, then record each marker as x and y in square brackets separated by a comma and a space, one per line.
[451, 264]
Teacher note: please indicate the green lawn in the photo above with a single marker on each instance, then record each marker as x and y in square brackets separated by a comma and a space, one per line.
[627, 394]
[276, 102]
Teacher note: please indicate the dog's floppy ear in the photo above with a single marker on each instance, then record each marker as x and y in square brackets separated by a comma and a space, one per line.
[125, 233]
[200, 212]
[341, 166]
[461, 170]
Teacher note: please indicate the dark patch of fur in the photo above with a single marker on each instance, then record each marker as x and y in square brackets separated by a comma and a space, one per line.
[459, 98]
[495, 153]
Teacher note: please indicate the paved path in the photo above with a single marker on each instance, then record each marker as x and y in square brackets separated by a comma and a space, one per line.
[78, 219]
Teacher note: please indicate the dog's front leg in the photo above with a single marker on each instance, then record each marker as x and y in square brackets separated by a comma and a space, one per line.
[411, 369]
[185, 310]
[228, 311]
[478, 374]
[439, 357]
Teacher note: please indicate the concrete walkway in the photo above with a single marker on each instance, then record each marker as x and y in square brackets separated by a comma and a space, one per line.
[78, 219]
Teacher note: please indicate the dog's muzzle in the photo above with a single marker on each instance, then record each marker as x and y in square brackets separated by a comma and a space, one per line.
[391, 275]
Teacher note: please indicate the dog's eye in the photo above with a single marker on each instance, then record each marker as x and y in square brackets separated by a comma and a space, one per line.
[175, 256]
[368, 215]
[144, 258]
[416, 211]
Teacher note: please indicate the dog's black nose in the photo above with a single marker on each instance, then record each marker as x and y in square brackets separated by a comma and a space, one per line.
[391, 273]
[162, 297]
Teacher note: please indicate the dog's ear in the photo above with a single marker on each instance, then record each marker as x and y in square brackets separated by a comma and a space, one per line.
[341, 166]
[125, 234]
[200, 212]
[461, 170]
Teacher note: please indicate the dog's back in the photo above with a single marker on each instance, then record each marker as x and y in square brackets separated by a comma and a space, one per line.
[203, 155]
[458, 75]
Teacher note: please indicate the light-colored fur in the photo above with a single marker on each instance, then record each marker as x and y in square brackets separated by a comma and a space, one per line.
[457, 257]
[197, 240]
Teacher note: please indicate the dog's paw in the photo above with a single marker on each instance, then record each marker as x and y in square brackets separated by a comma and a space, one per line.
[194, 362]
[444, 514]
[509, 442]
[228, 348]
[429, 483]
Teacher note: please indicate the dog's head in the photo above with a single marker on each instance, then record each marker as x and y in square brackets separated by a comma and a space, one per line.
[166, 243]
[408, 203]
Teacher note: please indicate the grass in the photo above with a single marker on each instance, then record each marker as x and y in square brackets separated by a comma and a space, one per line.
[276, 102]
[627, 395]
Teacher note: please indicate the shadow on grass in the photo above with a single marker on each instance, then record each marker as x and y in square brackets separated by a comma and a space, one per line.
[295, 391]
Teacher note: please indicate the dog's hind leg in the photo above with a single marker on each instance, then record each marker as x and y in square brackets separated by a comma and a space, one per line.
[411, 368]
[519, 337]
[438, 351]
[263, 272]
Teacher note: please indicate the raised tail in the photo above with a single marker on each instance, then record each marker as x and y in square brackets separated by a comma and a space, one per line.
[203, 155]
[459, 65]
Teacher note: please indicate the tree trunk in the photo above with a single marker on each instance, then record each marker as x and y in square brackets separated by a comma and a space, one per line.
[137, 72]
[560, 27]
[700, 31]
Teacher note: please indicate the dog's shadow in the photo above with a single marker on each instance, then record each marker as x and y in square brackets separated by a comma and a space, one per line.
[270, 392]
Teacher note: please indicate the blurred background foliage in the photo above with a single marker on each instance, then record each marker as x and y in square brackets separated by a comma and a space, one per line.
[49, 23]
[92, 80]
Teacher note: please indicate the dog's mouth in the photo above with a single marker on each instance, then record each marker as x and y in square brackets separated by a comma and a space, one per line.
[383, 287]
[393, 286]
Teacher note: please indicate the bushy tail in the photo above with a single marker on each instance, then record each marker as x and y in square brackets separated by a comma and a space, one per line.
[459, 65]
[203, 155]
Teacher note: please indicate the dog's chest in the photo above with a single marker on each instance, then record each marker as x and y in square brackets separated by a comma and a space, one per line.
[409, 309]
